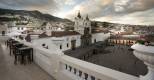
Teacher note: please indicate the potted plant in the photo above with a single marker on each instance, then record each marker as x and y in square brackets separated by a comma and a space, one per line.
[141, 42]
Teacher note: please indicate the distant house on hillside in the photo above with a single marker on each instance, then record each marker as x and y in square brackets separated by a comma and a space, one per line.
[3, 29]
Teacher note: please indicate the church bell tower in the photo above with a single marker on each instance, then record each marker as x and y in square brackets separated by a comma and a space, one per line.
[83, 26]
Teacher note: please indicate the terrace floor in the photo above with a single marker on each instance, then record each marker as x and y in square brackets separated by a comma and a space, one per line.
[9, 71]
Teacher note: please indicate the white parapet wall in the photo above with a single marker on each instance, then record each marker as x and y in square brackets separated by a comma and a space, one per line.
[63, 67]
[4, 38]
[81, 70]
[146, 54]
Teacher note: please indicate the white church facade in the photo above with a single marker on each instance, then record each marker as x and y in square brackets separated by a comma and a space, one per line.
[82, 35]
[82, 23]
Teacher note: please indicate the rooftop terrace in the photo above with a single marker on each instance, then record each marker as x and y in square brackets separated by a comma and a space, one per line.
[63, 67]
[9, 71]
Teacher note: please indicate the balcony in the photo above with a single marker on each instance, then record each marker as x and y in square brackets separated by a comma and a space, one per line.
[9, 71]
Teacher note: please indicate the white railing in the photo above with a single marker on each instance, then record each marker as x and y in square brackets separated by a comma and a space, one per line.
[81, 70]
[63, 67]
[146, 54]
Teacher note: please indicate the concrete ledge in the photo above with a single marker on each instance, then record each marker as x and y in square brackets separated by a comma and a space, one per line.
[143, 48]
[100, 72]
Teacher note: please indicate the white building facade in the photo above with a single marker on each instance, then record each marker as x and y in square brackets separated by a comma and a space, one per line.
[71, 39]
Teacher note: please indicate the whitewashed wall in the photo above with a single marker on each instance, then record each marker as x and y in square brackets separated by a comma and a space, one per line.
[63, 41]
[48, 42]
[99, 37]
[15, 29]
[34, 37]
[4, 38]
[3, 28]
[66, 40]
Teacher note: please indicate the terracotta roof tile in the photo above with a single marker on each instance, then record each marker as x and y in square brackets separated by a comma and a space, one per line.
[64, 33]
[100, 31]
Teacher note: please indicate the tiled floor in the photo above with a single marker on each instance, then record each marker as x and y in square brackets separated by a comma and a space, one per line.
[9, 71]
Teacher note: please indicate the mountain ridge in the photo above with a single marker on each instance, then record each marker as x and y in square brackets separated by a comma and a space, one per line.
[47, 17]
[35, 13]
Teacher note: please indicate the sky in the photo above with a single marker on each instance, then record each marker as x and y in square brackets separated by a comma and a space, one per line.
[139, 12]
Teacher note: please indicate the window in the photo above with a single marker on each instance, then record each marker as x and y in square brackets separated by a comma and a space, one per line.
[94, 40]
[18, 28]
[22, 28]
[60, 46]
[67, 45]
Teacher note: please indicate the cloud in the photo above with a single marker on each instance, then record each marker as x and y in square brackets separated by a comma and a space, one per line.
[128, 6]
[99, 8]
[126, 11]
[69, 2]
[92, 7]
[120, 11]
[41, 5]
[133, 18]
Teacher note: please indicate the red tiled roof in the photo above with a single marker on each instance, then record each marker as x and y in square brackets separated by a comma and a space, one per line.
[43, 35]
[64, 33]
[100, 31]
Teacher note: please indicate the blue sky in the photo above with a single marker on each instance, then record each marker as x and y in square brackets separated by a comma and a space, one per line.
[117, 11]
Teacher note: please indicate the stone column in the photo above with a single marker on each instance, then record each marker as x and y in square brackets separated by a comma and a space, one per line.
[146, 54]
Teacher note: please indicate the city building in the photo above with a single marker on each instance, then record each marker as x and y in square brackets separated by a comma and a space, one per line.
[3, 29]
[48, 52]
[82, 35]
